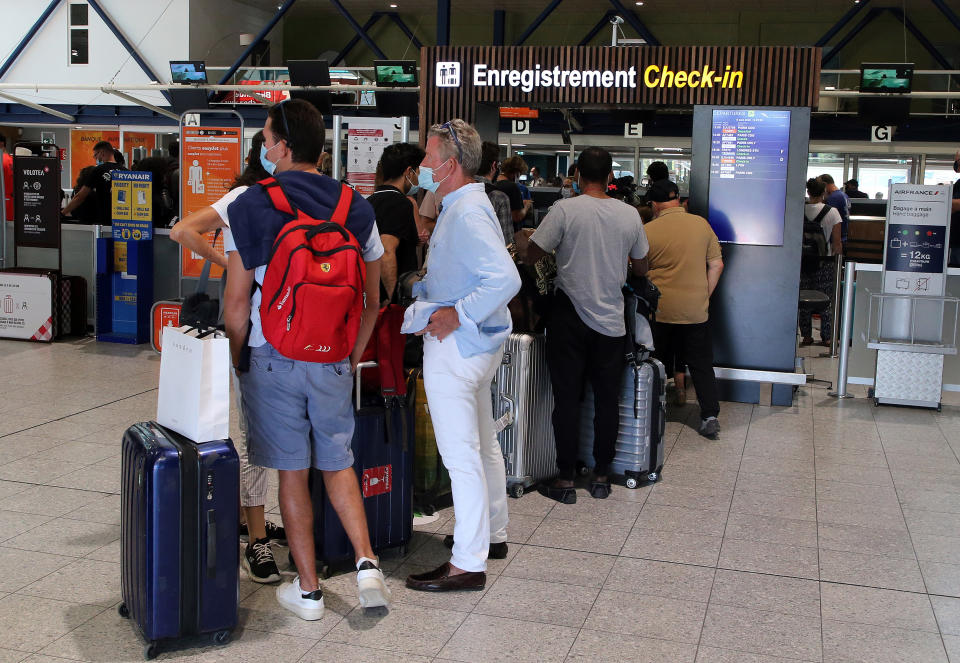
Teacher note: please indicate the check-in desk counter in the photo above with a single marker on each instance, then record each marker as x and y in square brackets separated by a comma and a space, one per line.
[865, 232]
[79, 259]
[862, 360]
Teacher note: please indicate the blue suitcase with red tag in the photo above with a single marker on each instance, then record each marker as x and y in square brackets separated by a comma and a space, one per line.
[179, 535]
[383, 444]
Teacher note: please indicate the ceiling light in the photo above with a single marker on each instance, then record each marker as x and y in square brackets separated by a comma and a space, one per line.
[639, 3]
[393, 5]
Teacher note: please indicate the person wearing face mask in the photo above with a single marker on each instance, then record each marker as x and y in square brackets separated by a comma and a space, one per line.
[461, 311]
[395, 214]
[98, 184]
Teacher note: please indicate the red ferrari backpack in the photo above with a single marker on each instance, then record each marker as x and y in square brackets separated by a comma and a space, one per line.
[312, 294]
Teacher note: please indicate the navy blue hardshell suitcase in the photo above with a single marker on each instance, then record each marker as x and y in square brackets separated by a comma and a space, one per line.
[179, 535]
[383, 443]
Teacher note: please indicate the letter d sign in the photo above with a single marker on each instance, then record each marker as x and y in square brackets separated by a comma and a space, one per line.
[521, 127]
[881, 134]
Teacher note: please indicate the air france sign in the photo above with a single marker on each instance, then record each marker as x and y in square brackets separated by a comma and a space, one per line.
[448, 74]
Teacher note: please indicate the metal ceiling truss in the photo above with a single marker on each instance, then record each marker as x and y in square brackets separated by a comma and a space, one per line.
[364, 30]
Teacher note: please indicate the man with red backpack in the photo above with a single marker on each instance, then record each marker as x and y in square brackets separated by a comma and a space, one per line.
[300, 305]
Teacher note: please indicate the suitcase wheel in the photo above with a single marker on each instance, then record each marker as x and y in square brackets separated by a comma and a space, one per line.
[582, 469]
[515, 490]
[631, 482]
[221, 637]
[123, 611]
[151, 651]
[653, 477]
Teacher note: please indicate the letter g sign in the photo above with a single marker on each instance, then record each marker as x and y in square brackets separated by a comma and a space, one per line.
[881, 134]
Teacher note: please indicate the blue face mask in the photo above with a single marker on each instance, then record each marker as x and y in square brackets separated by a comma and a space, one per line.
[425, 179]
[414, 188]
[576, 187]
[268, 165]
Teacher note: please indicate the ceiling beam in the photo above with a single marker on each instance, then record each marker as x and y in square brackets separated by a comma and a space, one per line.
[34, 106]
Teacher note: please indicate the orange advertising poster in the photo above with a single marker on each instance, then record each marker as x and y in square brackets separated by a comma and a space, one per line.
[81, 148]
[132, 139]
[211, 157]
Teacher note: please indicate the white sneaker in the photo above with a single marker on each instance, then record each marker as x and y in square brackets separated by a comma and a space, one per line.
[371, 587]
[305, 605]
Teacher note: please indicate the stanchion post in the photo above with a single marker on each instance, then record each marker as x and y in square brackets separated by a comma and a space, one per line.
[337, 147]
[405, 129]
[834, 319]
[846, 330]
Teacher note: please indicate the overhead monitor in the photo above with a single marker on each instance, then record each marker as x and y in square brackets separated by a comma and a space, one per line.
[749, 152]
[396, 73]
[311, 72]
[886, 77]
[188, 71]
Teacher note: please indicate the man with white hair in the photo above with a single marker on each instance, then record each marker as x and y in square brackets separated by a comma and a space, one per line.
[461, 310]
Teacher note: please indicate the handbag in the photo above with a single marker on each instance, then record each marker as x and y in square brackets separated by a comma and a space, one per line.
[194, 390]
[199, 310]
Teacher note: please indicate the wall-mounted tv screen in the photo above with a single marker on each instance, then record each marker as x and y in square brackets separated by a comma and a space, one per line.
[396, 73]
[749, 153]
[188, 71]
[886, 77]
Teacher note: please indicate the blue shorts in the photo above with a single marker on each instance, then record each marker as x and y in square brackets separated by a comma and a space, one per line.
[300, 414]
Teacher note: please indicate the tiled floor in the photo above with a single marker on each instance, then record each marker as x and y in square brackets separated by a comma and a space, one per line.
[828, 531]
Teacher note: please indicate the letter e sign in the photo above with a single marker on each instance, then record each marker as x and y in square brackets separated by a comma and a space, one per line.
[631, 130]
[521, 127]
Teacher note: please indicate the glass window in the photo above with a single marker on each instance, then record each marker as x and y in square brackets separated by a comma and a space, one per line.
[78, 14]
[679, 167]
[939, 172]
[876, 174]
[79, 46]
[819, 163]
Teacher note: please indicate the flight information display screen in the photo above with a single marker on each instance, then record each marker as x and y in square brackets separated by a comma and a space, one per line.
[748, 175]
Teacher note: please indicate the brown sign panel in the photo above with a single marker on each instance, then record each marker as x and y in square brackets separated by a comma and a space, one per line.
[456, 78]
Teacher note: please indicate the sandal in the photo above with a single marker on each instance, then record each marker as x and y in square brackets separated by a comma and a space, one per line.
[600, 490]
[562, 495]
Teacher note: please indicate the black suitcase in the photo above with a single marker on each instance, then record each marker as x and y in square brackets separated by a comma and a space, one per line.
[383, 445]
[179, 535]
[70, 313]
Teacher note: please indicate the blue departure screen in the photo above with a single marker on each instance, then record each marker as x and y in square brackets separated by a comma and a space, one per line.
[748, 175]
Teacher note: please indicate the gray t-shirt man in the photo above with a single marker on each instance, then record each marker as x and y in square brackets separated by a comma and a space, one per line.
[593, 238]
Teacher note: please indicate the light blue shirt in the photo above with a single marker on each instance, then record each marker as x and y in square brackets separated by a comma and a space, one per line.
[468, 267]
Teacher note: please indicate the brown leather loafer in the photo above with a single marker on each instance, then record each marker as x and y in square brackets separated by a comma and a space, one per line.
[440, 580]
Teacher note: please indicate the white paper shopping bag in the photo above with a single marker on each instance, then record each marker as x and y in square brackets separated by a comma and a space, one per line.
[194, 398]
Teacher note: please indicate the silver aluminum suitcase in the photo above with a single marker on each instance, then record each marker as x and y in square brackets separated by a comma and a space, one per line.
[643, 414]
[523, 403]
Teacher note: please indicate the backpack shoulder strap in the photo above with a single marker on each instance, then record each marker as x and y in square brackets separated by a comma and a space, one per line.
[279, 199]
[342, 210]
[823, 212]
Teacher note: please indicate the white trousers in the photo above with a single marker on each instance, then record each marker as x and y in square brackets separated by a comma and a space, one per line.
[461, 407]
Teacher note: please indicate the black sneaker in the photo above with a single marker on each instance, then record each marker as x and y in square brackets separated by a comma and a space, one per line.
[709, 428]
[275, 533]
[259, 563]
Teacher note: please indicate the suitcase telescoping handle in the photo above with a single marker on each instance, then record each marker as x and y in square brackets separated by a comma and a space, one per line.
[362, 365]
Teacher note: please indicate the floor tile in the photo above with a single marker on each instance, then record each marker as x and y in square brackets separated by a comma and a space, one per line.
[841, 491]
[107, 553]
[519, 530]
[860, 515]
[772, 558]
[13, 523]
[947, 610]
[932, 522]
[587, 537]
[261, 612]
[768, 529]
[880, 607]
[912, 497]
[405, 628]
[66, 537]
[8, 488]
[30, 623]
[771, 504]
[589, 510]
[33, 469]
[942, 549]
[538, 601]
[523, 640]
[105, 509]
[647, 616]
[49, 500]
[867, 540]
[691, 498]
[872, 570]
[786, 467]
[564, 566]
[762, 632]
[771, 483]
[678, 547]
[332, 652]
[676, 581]
[84, 581]
[715, 655]
[592, 646]
[943, 579]
[856, 474]
[451, 601]
[879, 644]
[99, 477]
[681, 519]
[532, 504]
[757, 591]
[23, 567]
